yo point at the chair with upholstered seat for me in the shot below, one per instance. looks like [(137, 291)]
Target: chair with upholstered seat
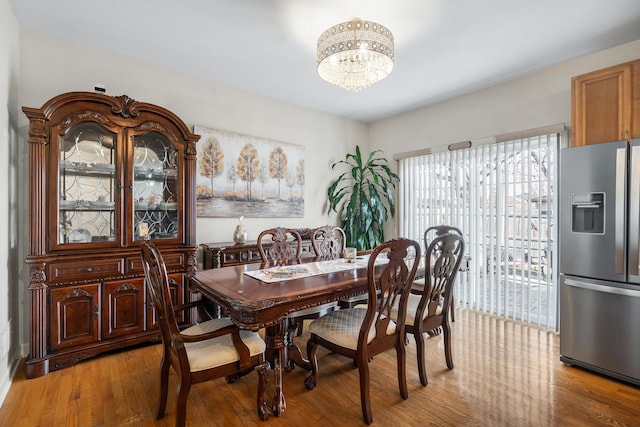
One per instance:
[(428, 311), (360, 333), (430, 234), (212, 349), (280, 246), (329, 241)]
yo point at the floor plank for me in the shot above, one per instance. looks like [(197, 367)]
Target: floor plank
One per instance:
[(506, 374)]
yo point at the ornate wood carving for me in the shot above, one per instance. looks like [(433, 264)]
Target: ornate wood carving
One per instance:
[(126, 287), (38, 131), (155, 126), (80, 116), (60, 272), (76, 293), (221, 254), (38, 277), (191, 151), (192, 264), (72, 360), (126, 107)]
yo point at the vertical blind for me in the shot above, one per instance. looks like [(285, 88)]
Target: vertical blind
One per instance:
[(502, 196)]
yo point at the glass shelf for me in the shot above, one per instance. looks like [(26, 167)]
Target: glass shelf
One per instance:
[(155, 187), (87, 176), (87, 180)]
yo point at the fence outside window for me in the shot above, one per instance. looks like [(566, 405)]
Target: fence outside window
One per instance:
[(503, 197)]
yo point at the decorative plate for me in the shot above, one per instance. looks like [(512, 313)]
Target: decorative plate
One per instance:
[(167, 206), (101, 205), (79, 235), (68, 204), (103, 167)]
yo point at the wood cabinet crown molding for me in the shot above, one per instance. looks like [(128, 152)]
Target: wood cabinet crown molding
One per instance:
[(107, 173)]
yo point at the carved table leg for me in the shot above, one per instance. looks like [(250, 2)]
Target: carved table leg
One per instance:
[(264, 408), (293, 354), (281, 353), (275, 340)]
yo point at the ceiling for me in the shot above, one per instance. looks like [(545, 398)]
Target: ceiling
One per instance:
[(443, 48)]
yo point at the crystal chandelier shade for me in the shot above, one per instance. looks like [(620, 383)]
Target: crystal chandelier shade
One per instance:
[(355, 54)]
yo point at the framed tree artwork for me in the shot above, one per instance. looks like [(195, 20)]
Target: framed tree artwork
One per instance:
[(250, 176)]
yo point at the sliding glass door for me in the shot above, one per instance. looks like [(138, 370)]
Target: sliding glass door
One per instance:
[(502, 196)]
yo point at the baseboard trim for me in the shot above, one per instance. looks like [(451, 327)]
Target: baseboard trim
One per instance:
[(5, 383)]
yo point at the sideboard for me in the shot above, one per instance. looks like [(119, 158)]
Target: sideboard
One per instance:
[(221, 254)]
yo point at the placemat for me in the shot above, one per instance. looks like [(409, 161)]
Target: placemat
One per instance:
[(297, 271)]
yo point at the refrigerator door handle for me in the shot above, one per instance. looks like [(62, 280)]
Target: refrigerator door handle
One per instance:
[(621, 163), (634, 211), (602, 288), (579, 206)]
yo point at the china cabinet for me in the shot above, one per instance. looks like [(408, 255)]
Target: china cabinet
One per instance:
[(106, 173), (605, 105)]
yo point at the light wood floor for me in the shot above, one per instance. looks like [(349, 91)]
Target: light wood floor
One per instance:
[(506, 374)]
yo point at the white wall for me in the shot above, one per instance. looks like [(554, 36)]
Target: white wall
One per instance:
[(541, 99), (50, 67), (9, 252)]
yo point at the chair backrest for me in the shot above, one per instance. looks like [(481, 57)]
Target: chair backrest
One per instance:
[(389, 284), (328, 240), (285, 245), (445, 252), (155, 274), (438, 230)]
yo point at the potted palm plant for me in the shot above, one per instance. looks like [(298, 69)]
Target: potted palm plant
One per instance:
[(363, 198)]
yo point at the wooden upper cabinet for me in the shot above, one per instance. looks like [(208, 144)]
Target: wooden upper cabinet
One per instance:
[(605, 105)]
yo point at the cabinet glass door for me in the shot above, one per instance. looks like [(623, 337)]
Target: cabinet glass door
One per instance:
[(87, 185), (155, 187)]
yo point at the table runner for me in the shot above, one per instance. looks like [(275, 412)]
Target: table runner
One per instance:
[(297, 271)]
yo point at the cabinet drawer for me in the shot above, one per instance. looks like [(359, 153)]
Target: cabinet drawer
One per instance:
[(173, 261), (244, 256), (86, 270)]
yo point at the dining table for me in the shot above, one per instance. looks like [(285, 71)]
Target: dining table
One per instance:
[(257, 296)]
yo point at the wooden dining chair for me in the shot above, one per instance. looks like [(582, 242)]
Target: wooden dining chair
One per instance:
[(428, 311), (363, 332), (205, 351), (329, 241), (430, 234), (279, 246)]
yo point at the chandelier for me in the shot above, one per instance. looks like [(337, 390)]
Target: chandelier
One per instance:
[(355, 54)]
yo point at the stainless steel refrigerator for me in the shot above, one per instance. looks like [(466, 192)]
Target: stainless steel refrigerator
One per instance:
[(600, 258)]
